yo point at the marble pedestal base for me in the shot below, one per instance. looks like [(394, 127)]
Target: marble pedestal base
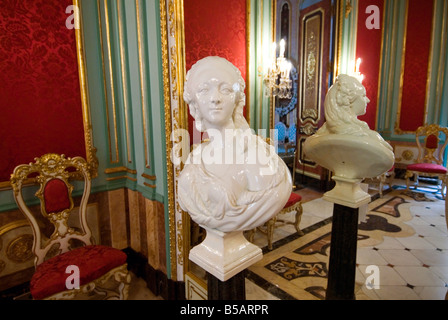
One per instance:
[(347, 192), (225, 254)]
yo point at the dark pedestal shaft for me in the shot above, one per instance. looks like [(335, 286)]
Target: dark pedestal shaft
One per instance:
[(342, 266), (232, 289)]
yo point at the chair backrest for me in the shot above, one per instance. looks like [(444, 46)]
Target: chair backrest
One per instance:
[(52, 173), (280, 131), (432, 149)]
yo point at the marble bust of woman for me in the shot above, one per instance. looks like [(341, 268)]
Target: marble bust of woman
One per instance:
[(345, 101), (344, 144), (233, 181)]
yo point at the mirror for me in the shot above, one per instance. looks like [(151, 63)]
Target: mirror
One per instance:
[(284, 114), (248, 26), (192, 30)]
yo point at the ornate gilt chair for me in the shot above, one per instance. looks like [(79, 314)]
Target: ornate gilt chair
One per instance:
[(102, 270), (430, 155), (294, 204)]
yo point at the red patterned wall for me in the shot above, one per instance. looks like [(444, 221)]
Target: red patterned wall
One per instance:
[(39, 85), (368, 48), (215, 28), (418, 42)]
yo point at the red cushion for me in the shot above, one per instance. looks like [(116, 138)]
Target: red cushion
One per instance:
[(56, 196), (293, 199), (427, 167), (93, 261), (432, 141)]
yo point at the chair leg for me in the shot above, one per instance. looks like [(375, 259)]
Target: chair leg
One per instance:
[(407, 176), (250, 235), (270, 231), (299, 212)]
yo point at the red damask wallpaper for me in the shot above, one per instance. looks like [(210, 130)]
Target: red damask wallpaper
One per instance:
[(418, 43), (215, 28), (40, 100), (368, 48)]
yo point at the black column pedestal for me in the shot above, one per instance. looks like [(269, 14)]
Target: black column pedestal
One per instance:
[(232, 289), (342, 265)]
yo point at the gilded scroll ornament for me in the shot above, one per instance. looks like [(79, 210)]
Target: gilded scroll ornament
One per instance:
[(20, 249), (407, 155)]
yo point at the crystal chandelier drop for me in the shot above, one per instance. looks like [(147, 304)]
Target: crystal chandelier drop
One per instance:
[(277, 79)]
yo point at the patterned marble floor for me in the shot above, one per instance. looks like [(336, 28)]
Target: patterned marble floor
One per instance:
[(403, 237)]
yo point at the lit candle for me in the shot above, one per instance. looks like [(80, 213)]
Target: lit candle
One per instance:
[(282, 48), (358, 63)]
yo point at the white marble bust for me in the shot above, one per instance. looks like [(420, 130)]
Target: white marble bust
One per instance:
[(234, 181), (345, 101), (344, 144)]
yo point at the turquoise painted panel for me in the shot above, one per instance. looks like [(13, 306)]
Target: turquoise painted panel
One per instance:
[(261, 41)]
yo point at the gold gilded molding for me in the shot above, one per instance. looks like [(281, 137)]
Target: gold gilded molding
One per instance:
[(13, 225), (176, 117), (248, 59), (111, 76), (142, 84), (120, 169), (348, 9), (124, 81), (338, 36), (149, 177), (121, 177), (397, 128), (91, 157), (168, 126), (383, 27)]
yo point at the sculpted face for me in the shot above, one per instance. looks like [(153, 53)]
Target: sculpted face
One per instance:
[(213, 87), (359, 105)]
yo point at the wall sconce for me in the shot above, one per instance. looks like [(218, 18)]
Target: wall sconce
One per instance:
[(277, 80)]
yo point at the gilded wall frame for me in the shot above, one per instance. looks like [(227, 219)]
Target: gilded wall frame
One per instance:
[(91, 157), (176, 118), (312, 26)]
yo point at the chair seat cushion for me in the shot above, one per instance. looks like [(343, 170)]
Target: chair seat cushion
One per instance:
[(293, 199), (93, 261), (427, 167)]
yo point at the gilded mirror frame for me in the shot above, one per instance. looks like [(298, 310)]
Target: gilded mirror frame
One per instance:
[(176, 118)]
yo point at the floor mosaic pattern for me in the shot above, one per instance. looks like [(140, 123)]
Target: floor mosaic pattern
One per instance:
[(404, 235)]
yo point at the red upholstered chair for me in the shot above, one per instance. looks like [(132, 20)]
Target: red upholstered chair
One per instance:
[(430, 155), (294, 204), (68, 265)]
